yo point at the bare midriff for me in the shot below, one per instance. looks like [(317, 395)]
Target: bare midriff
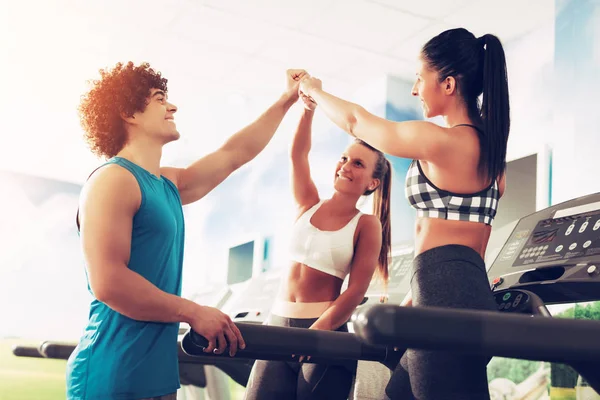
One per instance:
[(435, 232), (308, 285)]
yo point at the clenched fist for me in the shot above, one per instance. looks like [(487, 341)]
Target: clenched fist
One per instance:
[(308, 84), (293, 78)]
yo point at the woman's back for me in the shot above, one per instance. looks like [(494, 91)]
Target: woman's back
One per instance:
[(459, 177)]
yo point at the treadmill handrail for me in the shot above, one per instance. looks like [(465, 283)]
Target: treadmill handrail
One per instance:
[(264, 342), (480, 332), (27, 351), (62, 351)]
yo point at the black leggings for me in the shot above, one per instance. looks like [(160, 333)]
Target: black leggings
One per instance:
[(280, 380), (451, 276)]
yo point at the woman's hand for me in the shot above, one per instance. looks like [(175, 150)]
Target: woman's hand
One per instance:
[(308, 84)]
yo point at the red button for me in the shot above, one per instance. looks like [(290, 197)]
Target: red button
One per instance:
[(497, 281)]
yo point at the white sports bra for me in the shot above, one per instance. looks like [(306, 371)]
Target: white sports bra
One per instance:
[(327, 251)]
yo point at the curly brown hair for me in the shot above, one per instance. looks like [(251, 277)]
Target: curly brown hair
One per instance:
[(122, 90)]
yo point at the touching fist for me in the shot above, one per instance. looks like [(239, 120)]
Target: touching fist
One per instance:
[(293, 77), (308, 84)]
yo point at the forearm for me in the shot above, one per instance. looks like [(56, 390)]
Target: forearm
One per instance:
[(135, 297), (302, 141), (341, 112), (340, 311), (254, 138)]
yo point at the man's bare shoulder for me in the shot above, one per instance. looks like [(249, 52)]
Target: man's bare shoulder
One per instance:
[(111, 182)]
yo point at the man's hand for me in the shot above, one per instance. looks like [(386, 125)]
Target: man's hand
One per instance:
[(293, 77), (218, 329)]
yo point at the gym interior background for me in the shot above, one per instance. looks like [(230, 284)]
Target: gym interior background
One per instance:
[(225, 62)]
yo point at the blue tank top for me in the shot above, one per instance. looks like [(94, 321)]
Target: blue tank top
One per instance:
[(118, 357)]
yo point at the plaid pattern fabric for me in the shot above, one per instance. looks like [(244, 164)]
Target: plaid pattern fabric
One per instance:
[(432, 202)]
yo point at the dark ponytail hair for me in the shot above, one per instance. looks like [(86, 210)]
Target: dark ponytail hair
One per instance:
[(479, 66), (381, 209)]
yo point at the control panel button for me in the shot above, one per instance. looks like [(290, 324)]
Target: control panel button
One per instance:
[(583, 226), (587, 244), (592, 269), (506, 296), (517, 300), (572, 246), (559, 248), (597, 225), (570, 229)]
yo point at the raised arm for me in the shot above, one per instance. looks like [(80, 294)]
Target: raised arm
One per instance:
[(364, 262), (109, 201), (420, 140), (195, 181), (303, 187)]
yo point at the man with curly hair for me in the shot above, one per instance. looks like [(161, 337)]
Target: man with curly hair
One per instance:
[(132, 233)]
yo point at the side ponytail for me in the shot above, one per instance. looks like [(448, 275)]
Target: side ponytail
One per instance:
[(381, 208), (495, 109)]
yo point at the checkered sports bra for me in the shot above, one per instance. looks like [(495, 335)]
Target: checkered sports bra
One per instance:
[(433, 202)]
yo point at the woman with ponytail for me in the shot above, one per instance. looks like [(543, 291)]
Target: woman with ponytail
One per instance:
[(454, 183), (331, 239)]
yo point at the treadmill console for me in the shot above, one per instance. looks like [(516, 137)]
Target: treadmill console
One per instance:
[(559, 245), (253, 301), (399, 279)]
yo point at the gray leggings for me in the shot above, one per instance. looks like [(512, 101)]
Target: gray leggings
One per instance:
[(280, 380), (451, 276)]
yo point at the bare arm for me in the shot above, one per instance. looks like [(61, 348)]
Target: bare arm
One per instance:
[(109, 202), (303, 187), (195, 181), (420, 140), (365, 261)]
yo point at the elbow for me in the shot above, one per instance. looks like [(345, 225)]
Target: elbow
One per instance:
[(238, 163), (113, 297), (357, 295), (298, 155), (352, 119), (107, 282), (103, 292), (237, 159)]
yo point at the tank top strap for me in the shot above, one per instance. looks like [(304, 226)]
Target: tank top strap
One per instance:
[(142, 176), (354, 221), (311, 211)]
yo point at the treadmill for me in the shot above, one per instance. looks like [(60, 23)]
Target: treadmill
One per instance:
[(522, 287), (551, 257)]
